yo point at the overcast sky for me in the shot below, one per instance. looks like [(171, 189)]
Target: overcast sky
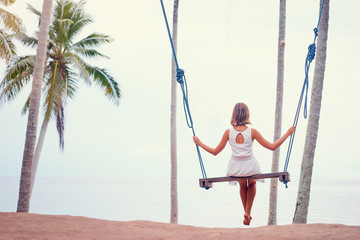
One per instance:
[(228, 50)]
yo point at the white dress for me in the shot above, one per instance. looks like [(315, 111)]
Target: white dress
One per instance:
[(242, 161)]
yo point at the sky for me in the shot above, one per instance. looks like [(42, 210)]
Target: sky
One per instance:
[(228, 50)]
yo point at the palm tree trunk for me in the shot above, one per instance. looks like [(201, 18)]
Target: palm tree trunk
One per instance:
[(278, 113), (38, 149), (303, 196), (28, 156), (173, 146)]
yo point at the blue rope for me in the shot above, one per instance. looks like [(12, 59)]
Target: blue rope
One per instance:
[(181, 79), (309, 58)]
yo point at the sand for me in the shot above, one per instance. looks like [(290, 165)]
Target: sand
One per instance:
[(52, 227)]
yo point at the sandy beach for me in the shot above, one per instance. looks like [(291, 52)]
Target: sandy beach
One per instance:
[(37, 226)]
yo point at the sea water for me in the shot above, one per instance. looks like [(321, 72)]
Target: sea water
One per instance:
[(149, 199)]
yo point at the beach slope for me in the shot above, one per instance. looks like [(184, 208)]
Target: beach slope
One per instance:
[(37, 226)]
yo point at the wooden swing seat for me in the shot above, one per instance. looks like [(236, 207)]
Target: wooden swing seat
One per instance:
[(207, 182)]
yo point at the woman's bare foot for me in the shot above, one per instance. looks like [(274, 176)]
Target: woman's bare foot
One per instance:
[(247, 219)]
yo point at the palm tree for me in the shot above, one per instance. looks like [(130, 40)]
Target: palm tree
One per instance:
[(65, 67), (9, 22), (303, 197), (34, 104), (278, 112), (173, 147)]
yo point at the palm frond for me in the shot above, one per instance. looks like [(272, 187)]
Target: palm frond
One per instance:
[(35, 11), (79, 23), (106, 82), (60, 126), (98, 75), (16, 77), (11, 21), (79, 64), (71, 83), (78, 8), (26, 40), (61, 30), (12, 90), (7, 47), (91, 53), (80, 18), (61, 22), (93, 40), (67, 7), (19, 67), (65, 21)]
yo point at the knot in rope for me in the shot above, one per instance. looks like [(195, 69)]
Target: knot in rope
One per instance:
[(316, 32), (180, 75), (311, 52)]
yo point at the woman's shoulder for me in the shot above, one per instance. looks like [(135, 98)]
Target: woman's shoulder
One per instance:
[(255, 133), (254, 130), (226, 134)]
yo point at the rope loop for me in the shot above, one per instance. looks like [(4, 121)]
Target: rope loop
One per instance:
[(311, 52), (316, 31), (180, 75)]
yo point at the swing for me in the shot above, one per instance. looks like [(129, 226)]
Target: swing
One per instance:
[(181, 79), (207, 182)]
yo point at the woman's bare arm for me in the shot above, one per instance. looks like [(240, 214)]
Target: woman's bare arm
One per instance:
[(220, 146), (272, 146)]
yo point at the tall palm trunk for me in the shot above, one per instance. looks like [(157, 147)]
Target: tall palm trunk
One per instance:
[(173, 146), (28, 156), (303, 196), (38, 149), (278, 112)]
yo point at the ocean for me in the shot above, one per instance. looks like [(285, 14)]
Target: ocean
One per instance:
[(149, 199)]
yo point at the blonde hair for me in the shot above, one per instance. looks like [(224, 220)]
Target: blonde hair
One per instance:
[(240, 115)]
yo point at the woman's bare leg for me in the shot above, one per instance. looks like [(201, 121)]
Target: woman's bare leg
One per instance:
[(243, 193), (250, 196)]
